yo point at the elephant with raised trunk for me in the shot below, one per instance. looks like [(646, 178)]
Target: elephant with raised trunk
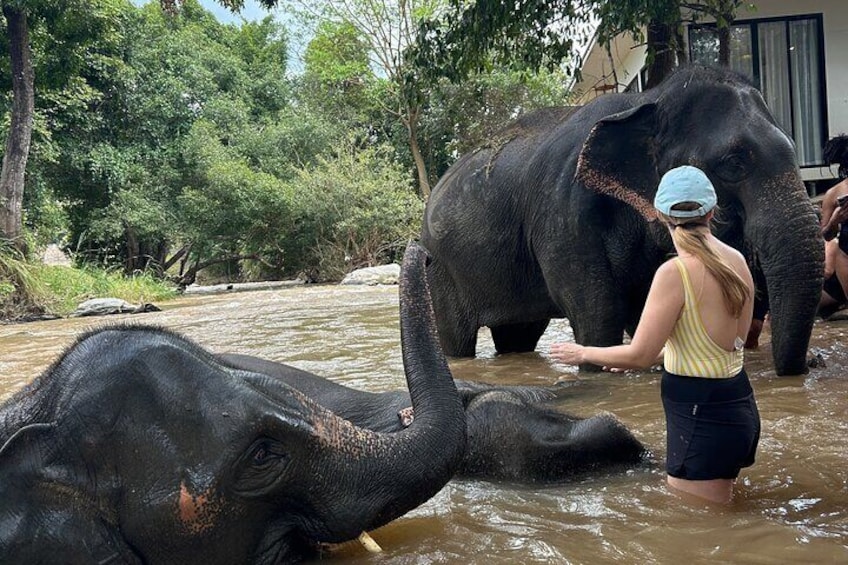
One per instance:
[(554, 217), (138, 446)]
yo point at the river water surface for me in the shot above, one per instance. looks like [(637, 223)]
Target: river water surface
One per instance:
[(791, 507)]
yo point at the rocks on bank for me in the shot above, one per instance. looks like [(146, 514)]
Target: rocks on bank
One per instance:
[(382, 274)]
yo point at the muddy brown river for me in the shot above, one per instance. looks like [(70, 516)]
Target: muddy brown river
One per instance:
[(791, 507)]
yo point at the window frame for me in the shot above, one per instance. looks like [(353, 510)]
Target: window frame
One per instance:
[(752, 25)]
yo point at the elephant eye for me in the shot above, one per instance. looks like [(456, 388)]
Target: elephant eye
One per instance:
[(263, 452), (260, 453), (733, 167)]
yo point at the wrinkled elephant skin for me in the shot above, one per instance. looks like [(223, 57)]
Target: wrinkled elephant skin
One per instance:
[(554, 217), (138, 446), (513, 434)]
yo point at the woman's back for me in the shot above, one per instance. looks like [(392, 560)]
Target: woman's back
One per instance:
[(720, 325)]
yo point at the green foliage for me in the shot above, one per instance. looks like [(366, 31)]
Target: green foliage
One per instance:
[(464, 116), (633, 16), (474, 37), (354, 210), (337, 78), (337, 53), (171, 136), (238, 212), (263, 47)]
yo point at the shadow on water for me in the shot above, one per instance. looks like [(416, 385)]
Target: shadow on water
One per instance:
[(792, 505)]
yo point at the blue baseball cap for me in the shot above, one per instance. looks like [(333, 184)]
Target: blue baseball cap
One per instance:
[(685, 184)]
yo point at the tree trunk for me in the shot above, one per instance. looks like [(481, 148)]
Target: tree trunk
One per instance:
[(725, 19), (16, 153), (415, 149), (724, 46), (661, 52), (679, 48), (130, 265)]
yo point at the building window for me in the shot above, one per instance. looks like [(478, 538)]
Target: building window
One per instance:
[(639, 81), (784, 57)]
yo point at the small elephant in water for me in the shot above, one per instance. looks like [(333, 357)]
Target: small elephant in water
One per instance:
[(554, 217), (512, 435), (138, 446)]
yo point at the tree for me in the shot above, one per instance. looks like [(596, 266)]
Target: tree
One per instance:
[(471, 37), (17, 14), (69, 23), (337, 80), (466, 36), (658, 22), (464, 116), (20, 130), (388, 27)]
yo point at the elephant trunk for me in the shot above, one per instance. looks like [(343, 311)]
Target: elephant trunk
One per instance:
[(432, 448), (387, 475), (785, 234)]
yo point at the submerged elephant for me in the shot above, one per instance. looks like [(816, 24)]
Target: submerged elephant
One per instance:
[(512, 434), (555, 218), (138, 446)]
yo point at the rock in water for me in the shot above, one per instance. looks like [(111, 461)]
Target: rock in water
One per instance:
[(383, 274), (105, 306)]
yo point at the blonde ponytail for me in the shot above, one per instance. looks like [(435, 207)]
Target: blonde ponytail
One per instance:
[(733, 289)]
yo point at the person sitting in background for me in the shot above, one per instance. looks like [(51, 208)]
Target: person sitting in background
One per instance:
[(834, 229)]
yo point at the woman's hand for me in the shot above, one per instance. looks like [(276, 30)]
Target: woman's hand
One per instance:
[(570, 353)]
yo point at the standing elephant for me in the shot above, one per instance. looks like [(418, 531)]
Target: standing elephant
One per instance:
[(137, 446), (555, 219), (512, 434)]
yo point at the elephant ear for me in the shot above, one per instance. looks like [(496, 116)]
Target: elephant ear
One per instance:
[(618, 158), (71, 526)]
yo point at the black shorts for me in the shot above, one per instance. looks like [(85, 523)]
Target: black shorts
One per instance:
[(712, 426), (833, 287), (843, 237)]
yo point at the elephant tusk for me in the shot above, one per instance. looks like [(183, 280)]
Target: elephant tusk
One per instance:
[(369, 543)]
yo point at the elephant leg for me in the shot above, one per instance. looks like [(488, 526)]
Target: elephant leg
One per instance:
[(518, 338), (455, 320), (599, 321)]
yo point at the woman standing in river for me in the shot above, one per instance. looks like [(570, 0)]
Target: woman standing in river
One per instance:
[(699, 307)]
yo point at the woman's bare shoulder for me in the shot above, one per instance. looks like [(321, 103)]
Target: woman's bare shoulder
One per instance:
[(668, 274)]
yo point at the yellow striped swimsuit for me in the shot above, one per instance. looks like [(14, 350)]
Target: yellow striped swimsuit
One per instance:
[(690, 351)]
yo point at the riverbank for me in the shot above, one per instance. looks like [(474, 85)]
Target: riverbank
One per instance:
[(38, 291), (34, 291)]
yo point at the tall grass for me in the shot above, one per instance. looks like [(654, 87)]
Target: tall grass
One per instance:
[(19, 289), (32, 289), (63, 288)]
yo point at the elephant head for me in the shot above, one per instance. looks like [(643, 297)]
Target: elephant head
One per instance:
[(137, 446), (717, 121)]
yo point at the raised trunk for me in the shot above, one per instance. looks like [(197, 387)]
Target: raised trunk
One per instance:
[(792, 260), (390, 474), (20, 130), (434, 446)]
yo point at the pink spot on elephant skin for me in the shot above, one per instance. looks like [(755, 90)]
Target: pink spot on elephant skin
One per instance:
[(197, 512)]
